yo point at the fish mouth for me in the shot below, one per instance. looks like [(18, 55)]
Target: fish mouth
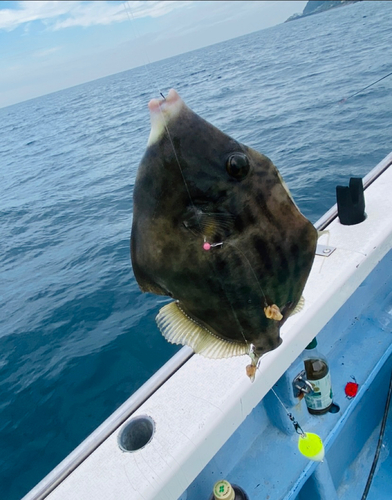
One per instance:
[(161, 112), (155, 105)]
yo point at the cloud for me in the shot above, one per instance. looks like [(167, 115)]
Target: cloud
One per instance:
[(60, 15), (90, 14), (43, 58), (32, 11)]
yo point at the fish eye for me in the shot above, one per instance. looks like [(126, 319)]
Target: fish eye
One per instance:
[(237, 166)]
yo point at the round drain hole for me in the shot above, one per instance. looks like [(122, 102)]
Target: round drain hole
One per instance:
[(136, 434), (334, 408)]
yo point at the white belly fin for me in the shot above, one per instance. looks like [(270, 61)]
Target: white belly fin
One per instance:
[(179, 328)]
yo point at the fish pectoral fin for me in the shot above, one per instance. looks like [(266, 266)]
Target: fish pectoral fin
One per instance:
[(209, 224), (178, 328), (213, 223), (299, 306)]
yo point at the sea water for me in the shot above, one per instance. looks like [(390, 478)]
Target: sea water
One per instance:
[(77, 337)]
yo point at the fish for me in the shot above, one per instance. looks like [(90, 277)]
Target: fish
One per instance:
[(216, 229)]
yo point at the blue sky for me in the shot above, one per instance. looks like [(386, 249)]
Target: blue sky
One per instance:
[(47, 45)]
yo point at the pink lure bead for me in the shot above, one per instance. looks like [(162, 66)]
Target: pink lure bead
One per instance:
[(206, 246)]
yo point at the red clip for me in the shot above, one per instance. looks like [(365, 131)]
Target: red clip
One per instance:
[(351, 389)]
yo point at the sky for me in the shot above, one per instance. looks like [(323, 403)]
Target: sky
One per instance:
[(47, 46)]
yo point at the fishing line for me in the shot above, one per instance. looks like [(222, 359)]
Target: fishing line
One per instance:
[(310, 445), (380, 440), (212, 267), (131, 18), (130, 15), (200, 228), (251, 268), (297, 427), (129, 12), (359, 91), (178, 163), (219, 244)]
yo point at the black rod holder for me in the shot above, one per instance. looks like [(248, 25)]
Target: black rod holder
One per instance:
[(351, 202)]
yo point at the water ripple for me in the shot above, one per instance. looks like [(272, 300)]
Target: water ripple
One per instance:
[(76, 336)]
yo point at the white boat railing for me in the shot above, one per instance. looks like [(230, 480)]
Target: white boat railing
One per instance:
[(91, 443), (109, 426), (369, 178)]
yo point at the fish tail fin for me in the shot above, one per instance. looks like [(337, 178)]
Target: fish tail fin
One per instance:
[(178, 328)]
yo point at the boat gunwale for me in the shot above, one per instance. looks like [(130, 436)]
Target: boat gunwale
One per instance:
[(119, 416)]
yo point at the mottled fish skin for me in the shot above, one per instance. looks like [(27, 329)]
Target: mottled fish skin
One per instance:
[(267, 248)]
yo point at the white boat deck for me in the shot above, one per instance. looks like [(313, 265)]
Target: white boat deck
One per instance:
[(205, 401)]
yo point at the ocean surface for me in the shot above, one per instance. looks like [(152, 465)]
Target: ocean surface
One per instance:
[(77, 337)]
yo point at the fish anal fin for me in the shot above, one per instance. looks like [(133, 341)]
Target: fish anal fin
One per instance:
[(179, 328)]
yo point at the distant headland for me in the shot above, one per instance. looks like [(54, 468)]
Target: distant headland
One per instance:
[(315, 6)]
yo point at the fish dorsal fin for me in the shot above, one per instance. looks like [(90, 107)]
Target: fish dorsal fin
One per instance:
[(285, 187), (299, 306), (178, 328)]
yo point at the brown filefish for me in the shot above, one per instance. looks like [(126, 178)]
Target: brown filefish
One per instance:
[(215, 227)]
